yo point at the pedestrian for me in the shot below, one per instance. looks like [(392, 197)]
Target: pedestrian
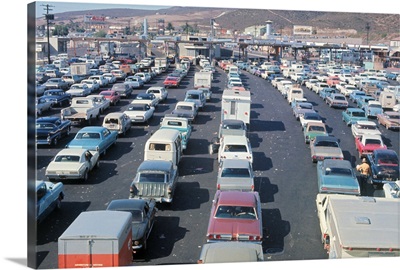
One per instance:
[(365, 171)]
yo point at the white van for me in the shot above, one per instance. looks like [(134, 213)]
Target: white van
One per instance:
[(387, 100), (164, 144), (117, 121), (196, 96), (293, 93)]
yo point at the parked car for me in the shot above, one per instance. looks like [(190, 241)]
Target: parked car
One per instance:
[(178, 123), (235, 147), (100, 101), (355, 95), (362, 100), (159, 91), (367, 143), (235, 216), (337, 176), (79, 90), (325, 147), (185, 109), (235, 174), (230, 252), (155, 179), (49, 130), (151, 99), (110, 77), (48, 198), (196, 96), (139, 111), (92, 84), (112, 96), (134, 82), (390, 120), (57, 96), (94, 138), (100, 79), (171, 82), (337, 101), (117, 121), (313, 129), (72, 164), (384, 165), (43, 105), (360, 128), (56, 83), (207, 92), (309, 116), (143, 217), (352, 115), (372, 108), (122, 89)]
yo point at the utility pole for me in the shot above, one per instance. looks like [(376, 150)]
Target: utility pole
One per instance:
[(368, 28), (48, 17)]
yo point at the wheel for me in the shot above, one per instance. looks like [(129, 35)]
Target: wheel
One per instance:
[(86, 175), (55, 141), (58, 203)]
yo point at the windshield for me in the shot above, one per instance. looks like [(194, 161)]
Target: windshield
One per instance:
[(244, 212), (326, 144)]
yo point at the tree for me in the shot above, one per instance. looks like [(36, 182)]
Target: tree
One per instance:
[(186, 28), (60, 30), (170, 27), (100, 34)]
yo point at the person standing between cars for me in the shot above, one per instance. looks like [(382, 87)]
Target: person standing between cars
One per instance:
[(365, 172)]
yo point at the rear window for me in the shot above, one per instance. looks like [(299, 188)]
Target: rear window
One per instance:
[(160, 147)]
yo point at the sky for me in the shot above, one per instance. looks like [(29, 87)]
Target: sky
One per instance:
[(14, 130)]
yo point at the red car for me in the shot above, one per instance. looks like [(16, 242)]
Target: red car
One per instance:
[(112, 96), (235, 216), (171, 82)]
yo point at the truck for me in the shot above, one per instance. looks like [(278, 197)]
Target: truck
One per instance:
[(162, 63), (236, 105), (82, 110), (202, 80), (97, 239), (358, 226), (81, 69)]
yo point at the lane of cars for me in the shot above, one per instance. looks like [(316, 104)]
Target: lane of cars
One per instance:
[(191, 150)]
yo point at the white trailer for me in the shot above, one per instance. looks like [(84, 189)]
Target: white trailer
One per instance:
[(202, 80), (359, 227), (236, 105)]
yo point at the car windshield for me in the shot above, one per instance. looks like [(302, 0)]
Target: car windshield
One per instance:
[(192, 96), (372, 141), (360, 114), (235, 172), (338, 171), (44, 125), (242, 212), (66, 158), (152, 178), (378, 106), (312, 117), (394, 116), (87, 135), (185, 108), (339, 98), (235, 148), (232, 126), (138, 108)]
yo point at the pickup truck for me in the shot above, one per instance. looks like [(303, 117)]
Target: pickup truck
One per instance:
[(49, 197), (82, 110), (367, 143)]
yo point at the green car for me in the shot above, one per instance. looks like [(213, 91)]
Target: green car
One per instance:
[(352, 115), (313, 129)]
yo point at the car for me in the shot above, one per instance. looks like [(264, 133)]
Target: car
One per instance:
[(230, 252), (367, 143), (119, 74), (337, 176), (355, 95), (235, 216), (49, 130), (110, 77), (57, 96), (101, 101), (325, 92), (360, 128), (392, 75), (372, 108), (207, 92), (185, 109), (171, 82), (362, 100), (159, 91), (72, 164), (56, 83), (43, 105), (71, 79), (155, 179), (79, 90), (117, 121), (392, 189), (143, 217), (235, 147), (309, 116), (93, 85), (122, 89), (146, 77), (139, 111), (384, 165), (388, 119), (151, 99), (48, 198), (325, 147), (181, 124), (313, 129), (103, 81), (337, 101), (301, 108), (195, 96), (112, 96), (42, 77), (235, 174), (134, 82), (94, 138), (352, 115)]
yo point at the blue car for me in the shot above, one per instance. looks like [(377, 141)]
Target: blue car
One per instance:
[(362, 100), (356, 94), (57, 96), (392, 75), (352, 115), (373, 108), (337, 176), (325, 92), (95, 138), (49, 130)]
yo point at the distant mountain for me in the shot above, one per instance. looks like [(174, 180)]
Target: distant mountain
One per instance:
[(381, 26)]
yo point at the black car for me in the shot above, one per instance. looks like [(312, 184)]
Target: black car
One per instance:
[(57, 96), (143, 213), (49, 130), (384, 166), (123, 89)]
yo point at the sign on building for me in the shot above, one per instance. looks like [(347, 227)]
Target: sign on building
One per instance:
[(302, 30)]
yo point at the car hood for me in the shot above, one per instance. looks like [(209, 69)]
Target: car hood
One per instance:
[(138, 231), (235, 226)]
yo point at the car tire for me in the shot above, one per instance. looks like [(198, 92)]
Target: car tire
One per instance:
[(55, 141), (58, 203), (85, 175)]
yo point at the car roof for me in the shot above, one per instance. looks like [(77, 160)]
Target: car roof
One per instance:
[(158, 165), (235, 163), (126, 204), (49, 119), (91, 128), (342, 163), (369, 123), (326, 138)]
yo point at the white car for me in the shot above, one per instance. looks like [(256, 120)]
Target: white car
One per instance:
[(72, 164), (159, 91), (79, 90), (43, 105), (92, 84), (139, 111), (110, 77), (100, 79), (364, 127), (235, 147), (101, 101)]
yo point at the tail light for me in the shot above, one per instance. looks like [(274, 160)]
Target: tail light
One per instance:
[(218, 186)]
